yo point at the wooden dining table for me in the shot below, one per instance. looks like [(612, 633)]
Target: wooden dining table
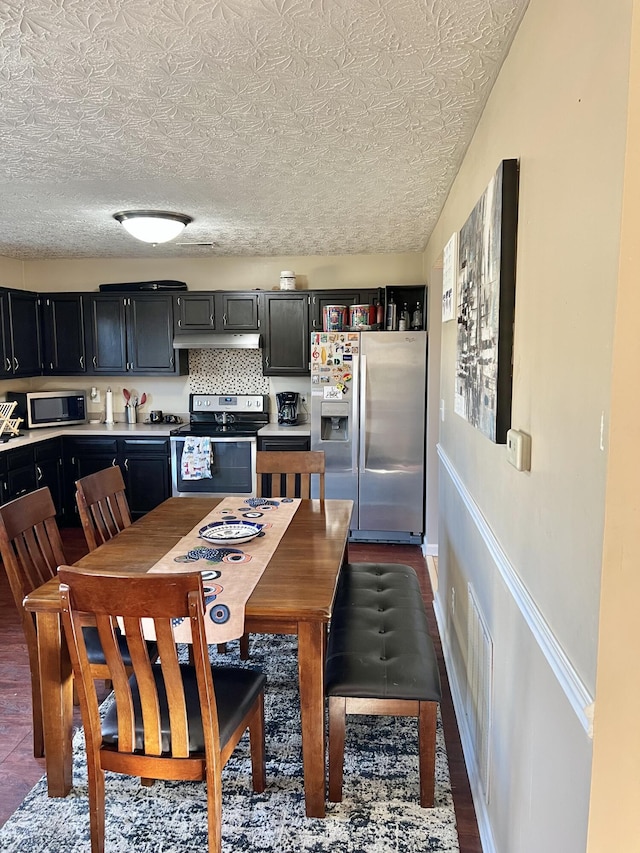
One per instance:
[(294, 595)]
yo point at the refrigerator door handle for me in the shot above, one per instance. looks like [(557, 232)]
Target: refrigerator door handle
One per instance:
[(363, 412), (355, 414)]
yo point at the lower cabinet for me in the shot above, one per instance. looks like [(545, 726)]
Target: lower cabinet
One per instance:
[(144, 463), (287, 442), (28, 468), (49, 465)]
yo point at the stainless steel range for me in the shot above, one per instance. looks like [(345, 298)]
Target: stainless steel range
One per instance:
[(215, 453)]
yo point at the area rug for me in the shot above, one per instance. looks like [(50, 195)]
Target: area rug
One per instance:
[(379, 813)]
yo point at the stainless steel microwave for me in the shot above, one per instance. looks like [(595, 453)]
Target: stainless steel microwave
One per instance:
[(48, 408)]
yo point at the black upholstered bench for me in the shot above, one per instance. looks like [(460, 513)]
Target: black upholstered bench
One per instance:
[(381, 661)]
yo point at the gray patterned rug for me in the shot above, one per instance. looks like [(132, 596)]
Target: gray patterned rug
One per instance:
[(379, 812)]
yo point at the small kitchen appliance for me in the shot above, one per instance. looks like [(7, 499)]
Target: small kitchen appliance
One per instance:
[(49, 408), (287, 407)]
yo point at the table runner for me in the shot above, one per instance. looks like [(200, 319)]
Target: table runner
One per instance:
[(229, 572)]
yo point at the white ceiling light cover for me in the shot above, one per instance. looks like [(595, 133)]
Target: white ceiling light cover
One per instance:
[(153, 226)]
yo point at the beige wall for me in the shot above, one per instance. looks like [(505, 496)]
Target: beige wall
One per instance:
[(615, 816), (230, 273), (530, 544), (11, 273)]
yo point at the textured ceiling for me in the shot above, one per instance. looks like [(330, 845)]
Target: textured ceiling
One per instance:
[(283, 127)]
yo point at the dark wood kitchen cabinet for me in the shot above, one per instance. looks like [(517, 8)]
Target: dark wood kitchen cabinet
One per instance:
[(49, 466), (63, 334), (20, 338), (144, 462), (25, 469), (21, 472), (284, 324), (132, 334), (216, 311)]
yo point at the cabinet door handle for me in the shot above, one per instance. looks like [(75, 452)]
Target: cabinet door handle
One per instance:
[(224, 319), (266, 361), (211, 319), (38, 473), (172, 361), (82, 362), (113, 463), (16, 363), (126, 464), (179, 303), (8, 363), (179, 321), (95, 361)]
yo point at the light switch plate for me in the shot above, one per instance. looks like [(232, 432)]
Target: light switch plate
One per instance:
[(519, 449)]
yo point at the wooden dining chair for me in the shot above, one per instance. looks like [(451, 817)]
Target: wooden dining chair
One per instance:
[(103, 506), (170, 720), (290, 472), (31, 550)]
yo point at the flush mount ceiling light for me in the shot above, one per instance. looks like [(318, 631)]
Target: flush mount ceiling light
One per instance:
[(153, 226)]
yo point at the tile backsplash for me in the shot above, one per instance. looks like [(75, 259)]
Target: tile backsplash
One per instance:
[(226, 371)]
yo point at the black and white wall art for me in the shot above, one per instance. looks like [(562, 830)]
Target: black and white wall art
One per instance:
[(485, 306)]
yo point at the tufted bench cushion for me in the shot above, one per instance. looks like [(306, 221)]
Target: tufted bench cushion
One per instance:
[(381, 660)]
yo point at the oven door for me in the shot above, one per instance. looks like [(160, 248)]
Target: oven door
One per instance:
[(233, 469)]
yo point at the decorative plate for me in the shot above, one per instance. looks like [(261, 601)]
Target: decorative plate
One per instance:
[(235, 532)]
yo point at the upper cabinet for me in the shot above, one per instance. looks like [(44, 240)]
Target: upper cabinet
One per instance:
[(132, 334), (284, 324), (63, 334), (20, 337), (194, 312), (216, 311)]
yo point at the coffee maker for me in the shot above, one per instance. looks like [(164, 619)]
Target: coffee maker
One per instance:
[(287, 407)]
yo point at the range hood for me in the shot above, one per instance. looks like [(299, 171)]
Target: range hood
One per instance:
[(213, 340)]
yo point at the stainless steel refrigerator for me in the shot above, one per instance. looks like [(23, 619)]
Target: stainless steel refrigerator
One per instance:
[(368, 399)]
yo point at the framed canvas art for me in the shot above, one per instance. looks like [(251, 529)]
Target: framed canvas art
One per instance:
[(485, 306)]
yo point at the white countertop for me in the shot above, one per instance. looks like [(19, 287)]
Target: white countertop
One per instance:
[(123, 430)]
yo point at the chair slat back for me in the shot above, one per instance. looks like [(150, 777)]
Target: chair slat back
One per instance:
[(30, 546), (285, 466), (127, 601), (102, 505)]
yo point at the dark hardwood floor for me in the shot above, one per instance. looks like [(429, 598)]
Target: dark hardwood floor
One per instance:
[(19, 770)]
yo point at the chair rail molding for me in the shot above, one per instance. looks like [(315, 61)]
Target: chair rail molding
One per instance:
[(572, 685)]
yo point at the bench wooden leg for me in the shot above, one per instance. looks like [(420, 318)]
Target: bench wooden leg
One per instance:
[(427, 717), (337, 721)]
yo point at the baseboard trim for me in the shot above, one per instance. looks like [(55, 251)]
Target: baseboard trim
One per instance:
[(479, 803), (572, 685)]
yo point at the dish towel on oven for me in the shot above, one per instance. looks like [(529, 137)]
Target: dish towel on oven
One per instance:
[(196, 458)]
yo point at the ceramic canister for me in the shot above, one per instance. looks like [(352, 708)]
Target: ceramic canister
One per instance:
[(287, 280), (334, 318), (359, 315)]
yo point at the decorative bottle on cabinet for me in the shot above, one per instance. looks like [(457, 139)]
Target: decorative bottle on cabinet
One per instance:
[(403, 322), (416, 319), (380, 314), (392, 315)]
